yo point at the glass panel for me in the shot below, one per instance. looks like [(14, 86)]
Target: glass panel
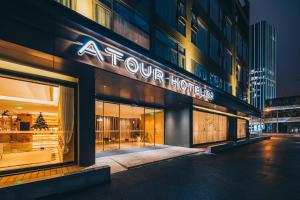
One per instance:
[(103, 15), (166, 9), (149, 127), (131, 126), (99, 125), (214, 49), (126, 126), (130, 31), (36, 124), (68, 3), (111, 136), (159, 127), (208, 127)]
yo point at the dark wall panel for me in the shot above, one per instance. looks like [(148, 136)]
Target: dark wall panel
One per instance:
[(178, 121), (86, 140), (232, 129)]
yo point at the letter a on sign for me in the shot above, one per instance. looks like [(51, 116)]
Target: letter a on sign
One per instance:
[(92, 49)]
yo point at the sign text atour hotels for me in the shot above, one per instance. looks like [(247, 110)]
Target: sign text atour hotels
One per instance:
[(149, 73)]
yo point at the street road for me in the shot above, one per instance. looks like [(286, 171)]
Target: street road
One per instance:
[(265, 170)]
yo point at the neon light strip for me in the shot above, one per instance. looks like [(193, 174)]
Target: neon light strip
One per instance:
[(220, 112)]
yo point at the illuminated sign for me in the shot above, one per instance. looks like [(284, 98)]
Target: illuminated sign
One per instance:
[(145, 71)]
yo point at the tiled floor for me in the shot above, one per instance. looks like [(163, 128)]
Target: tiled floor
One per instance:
[(120, 161), (10, 180), (115, 146)]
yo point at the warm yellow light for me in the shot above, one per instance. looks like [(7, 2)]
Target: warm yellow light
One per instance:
[(11, 66), (85, 7), (220, 112)]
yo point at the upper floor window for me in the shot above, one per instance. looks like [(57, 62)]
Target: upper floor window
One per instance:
[(167, 49), (241, 48), (68, 3), (245, 51), (245, 77), (103, 14), (129, 15), (199, 70), (167, 10), (130, 25), (202, 3), (239, 93), (238, 72), (181, 16), (227, 87), (181, 9), (173, 12), (214, 51), (227, 61), (216, 13), (239, 45), (227, 31), (199, 34)]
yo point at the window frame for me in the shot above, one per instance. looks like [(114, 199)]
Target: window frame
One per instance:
[(47, 81)]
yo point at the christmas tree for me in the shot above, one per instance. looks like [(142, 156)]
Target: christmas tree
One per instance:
[(40, 123)]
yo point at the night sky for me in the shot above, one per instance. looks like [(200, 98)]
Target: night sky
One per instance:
[(284, 15)]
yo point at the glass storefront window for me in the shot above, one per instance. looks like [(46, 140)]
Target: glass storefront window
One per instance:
[(208, 127), (36, 123), (241, 128), (99, 125), (121, 126), (159, 126), (111, 136), (149, 126), (103, 15)]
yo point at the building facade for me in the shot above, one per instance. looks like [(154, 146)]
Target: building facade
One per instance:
[(282, 115), (263, 63), (85, 76)]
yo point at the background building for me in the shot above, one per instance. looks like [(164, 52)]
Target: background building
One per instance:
[(282, 115), (263, 64)]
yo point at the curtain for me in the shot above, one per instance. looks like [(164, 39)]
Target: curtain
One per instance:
[(208, 127), (66, 113), (241, 128), (103, 16)]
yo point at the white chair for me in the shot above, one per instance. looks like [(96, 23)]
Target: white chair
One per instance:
[(1, 150)]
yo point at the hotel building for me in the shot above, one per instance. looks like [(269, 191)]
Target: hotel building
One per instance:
[(85, 76)]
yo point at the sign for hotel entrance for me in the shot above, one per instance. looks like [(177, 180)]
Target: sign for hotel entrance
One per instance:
[(143, 70)]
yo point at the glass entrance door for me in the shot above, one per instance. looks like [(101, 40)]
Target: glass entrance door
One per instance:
[(132, 126), (159, 126), (122, 126), (111, 136)]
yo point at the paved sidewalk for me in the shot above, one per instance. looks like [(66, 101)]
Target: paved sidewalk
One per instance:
[(124, 161)]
